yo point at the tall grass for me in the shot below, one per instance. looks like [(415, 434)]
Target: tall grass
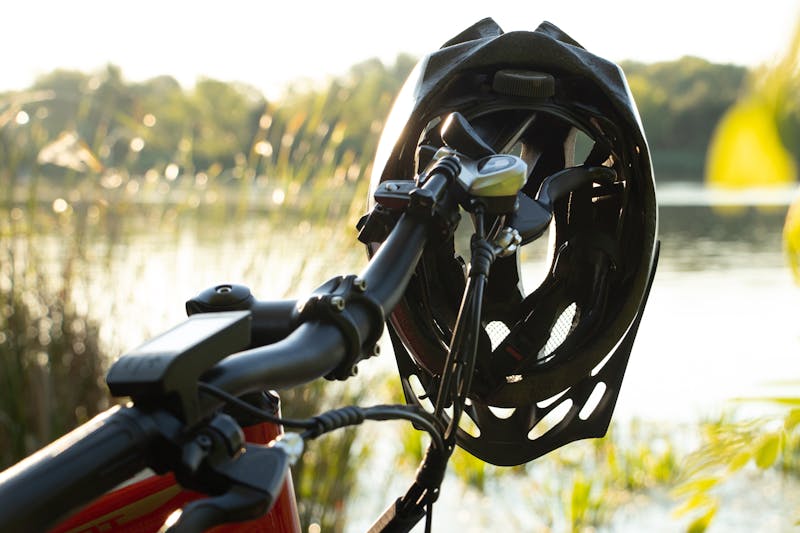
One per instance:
[(65, 189)]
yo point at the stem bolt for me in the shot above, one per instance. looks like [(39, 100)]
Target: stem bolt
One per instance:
[(338, 303)]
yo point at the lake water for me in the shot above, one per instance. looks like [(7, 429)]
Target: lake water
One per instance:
[(721, 322)]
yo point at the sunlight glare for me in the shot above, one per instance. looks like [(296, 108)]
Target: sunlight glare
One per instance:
[(173, 518), (137, 144), (263, 148), (171, 172), (60, 205)]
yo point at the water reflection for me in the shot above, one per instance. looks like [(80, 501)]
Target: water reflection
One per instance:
[(719, 323), (697, 238)]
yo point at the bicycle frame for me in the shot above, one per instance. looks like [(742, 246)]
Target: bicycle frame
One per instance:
[(145, 505)]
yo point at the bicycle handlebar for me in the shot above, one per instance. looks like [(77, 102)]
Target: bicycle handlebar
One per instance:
[(296, 359), (75, 469), (115, 445)]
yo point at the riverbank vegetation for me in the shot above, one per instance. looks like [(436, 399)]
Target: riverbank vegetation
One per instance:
[(81, 152), (228, 133)]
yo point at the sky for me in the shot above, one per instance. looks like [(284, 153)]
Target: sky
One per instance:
[(268, 44)]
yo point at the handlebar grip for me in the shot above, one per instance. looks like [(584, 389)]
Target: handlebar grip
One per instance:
[(75, 469)]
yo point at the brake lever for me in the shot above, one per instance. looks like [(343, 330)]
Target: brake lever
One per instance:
[(255, 478), (533, 216)]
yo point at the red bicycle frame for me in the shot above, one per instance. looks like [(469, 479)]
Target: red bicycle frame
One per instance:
[(144, 506)]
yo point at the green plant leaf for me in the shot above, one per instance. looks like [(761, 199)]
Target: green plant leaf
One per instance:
[(697, 501), (791, 238), (739, 460), (792, 419), (746, 149), (780, 400), (767, 451), (695, 485), (700, 524)]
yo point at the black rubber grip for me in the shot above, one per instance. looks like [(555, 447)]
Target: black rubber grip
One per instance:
[(82, 465)]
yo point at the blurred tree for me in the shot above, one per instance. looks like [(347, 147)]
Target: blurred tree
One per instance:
[(223, 119), (68, 88), (680, 103), (208, 126), (161, 108)]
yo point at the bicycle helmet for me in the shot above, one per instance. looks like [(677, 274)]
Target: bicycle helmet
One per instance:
[(550, 358)]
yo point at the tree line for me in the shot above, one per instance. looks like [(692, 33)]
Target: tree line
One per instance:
[(231, 131)]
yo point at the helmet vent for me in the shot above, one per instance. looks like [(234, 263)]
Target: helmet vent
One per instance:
[(497, 332), (468, 425), (502, 412), (561, 329), (419, 392), (553, 418), (593, 400)]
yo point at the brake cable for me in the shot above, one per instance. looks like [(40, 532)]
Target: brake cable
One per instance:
[(455, 383), (460, 362), (336, 418)]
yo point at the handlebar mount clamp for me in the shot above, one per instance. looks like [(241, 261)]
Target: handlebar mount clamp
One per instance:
[(331, 303)]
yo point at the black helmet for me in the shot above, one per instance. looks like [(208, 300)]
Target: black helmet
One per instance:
[(550, 360)]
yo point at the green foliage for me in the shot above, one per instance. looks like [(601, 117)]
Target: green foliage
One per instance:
[(680, 103), (319, 132), (312, 138), (749, 144), (51, 363), (326, 475), (727, 448), (586, 503), (51, 370), (581, 485)]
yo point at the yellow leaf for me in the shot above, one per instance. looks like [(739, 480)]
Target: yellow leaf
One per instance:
[(791, 238), (697, 501), (792, 419), (695, 485), (701, 523), (739, 460), (746, 149), (768, 448)]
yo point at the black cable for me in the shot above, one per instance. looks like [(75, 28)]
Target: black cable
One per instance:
[(413, 414), (464, 350), (477, 305), (429, 518), (460, 363), (338, 418), (456, 377), (253, 410), (444, 395), (461, 338)]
